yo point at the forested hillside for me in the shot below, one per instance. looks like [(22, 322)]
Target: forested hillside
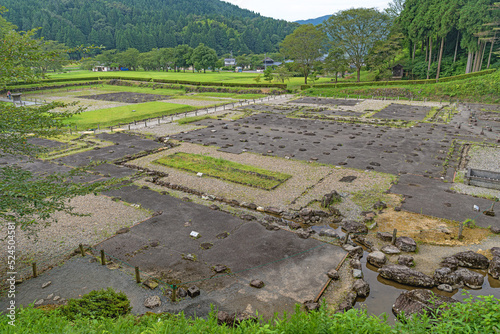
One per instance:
[(148, 24)]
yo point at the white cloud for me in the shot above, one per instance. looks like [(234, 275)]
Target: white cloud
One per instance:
[(293, 10)]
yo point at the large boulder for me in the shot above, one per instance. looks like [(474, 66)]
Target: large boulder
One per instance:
[(419, 301), (450, 262), (390, 249), (361, 288), (377, 259), (384, 236), (405, 275), (473, 260), (348, 303), (330, 198), (352, 226), (406, 260), (406, 244), (494, 269), (354, 251), (495, 251), (470, 278), (445, 275)]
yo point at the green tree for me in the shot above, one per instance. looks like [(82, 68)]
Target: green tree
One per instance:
[(356, 31), (129, 58), (183, 54), (304, 46), (282, 74), (26, 200), (204, 57), (268, 74), (336, 62)]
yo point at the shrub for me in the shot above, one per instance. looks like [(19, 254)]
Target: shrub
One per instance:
[(97, 304)]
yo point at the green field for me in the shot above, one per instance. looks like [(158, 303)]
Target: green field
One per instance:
[(231, 77), (125, 114), (224, 170)]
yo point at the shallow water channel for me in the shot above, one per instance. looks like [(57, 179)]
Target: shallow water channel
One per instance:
[(384, 292)]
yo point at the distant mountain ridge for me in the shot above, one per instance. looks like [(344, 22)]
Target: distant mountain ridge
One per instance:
[(315, 21), (148, 24)]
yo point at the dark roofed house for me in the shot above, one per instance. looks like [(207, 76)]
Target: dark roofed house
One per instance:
[(397, 71)]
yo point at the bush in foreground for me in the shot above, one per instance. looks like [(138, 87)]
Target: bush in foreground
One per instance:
[(479, 315)]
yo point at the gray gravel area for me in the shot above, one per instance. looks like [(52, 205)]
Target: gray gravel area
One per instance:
[(55, 241), (485, 158)]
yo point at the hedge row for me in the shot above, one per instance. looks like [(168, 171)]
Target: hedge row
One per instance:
[(30, 89), (181, 82), (402, 82)]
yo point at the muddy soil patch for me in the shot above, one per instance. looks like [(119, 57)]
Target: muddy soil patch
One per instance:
[(403, 112), (420, 150), (126, 97)]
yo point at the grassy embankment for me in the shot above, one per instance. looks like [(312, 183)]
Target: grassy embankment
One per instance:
[(481, 89), (224, 170), (125, 114)]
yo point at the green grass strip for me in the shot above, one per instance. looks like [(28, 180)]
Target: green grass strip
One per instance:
[(224, 170), (125, 114)]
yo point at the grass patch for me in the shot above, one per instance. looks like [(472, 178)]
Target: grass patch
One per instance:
[(187, 120), (232, 95), (125, 114), (367, 198), (224, 170)]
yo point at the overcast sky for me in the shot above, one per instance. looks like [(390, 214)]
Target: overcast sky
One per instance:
[(293, 10)]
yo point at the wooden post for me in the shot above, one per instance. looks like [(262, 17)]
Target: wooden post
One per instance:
[(137, 275), (460, 231), (394, 233), (174, 292), (103, 258), (129, 126), (34, 269), (145, 124), (81, 250), (346, 238)]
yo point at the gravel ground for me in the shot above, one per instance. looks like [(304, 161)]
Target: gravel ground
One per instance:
[(196, 103), (486, 158), (60, 238), (308, 182)]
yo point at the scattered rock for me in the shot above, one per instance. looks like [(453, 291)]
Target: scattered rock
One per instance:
[(222, 235), (495, 229), (406, 244), (406, 260), (56, 298), (357, 273), (494, 268), (355, 264), (181, 293), (293, 225), (46, 284), (248, 217), (361, 288), (390, 249), (333, 274), (444, 275), (303, 234), (354, 227), (445, 287), (348, 303), (377, 259), (384, 236), (39, 302), (219, 268), (354, 251), (152, 302), (379, 205), (471, 259), (193, 291), (330, 199), (450, 262), (123, 230), (214, 207), (257, 283), (329, 232), (495, 251), (405, 275), (311, 305), (152, 284), (273, 210), (470, 278), (419, 301)]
